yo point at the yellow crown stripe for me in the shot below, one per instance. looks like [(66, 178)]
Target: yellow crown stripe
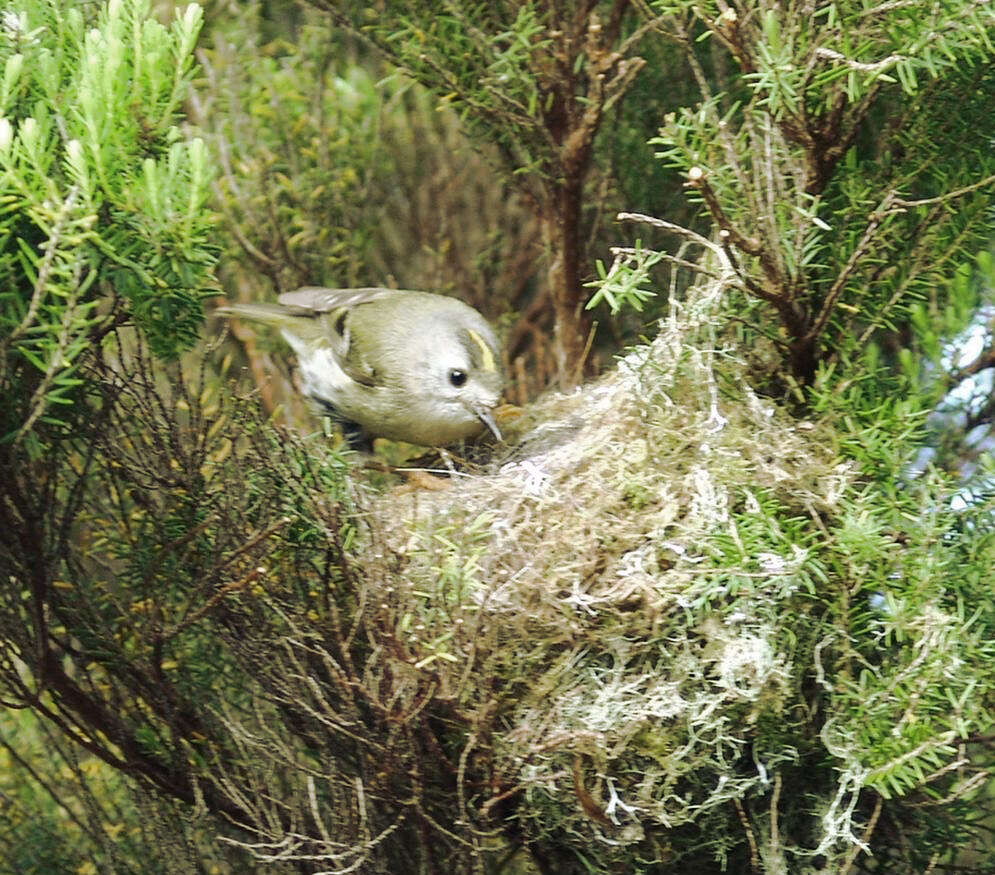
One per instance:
[(486, 356)]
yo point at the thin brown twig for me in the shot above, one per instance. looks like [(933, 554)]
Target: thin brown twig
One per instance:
[(851, 855), (750, 838), (947, 196), (775, 836)]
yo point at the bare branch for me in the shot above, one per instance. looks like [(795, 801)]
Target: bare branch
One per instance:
[(863, 67)]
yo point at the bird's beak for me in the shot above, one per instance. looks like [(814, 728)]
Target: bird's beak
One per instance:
[(485, 415)]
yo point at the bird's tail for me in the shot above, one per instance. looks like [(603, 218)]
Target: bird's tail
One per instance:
[(273, 314)]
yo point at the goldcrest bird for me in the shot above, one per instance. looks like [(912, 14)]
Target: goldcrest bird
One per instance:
[(409, 366)]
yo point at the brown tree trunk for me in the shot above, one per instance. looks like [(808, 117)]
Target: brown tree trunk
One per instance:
[(561, 219)]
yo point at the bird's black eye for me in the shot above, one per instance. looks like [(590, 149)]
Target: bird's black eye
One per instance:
[(457, 377)]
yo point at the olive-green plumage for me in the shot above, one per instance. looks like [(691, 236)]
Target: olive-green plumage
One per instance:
[(404, 365)]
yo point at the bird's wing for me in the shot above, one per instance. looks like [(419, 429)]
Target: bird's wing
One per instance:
[(354, 364), (321, 300), (337, 306)]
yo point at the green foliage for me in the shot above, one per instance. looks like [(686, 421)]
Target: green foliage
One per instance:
[(298, 133), (849, 167), (621, 285), (494, 60), (104, 213), (913, 689), (677, 629), (66, 811), (182, 521)]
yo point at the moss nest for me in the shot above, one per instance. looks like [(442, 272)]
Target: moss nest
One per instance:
[(620, 595)]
